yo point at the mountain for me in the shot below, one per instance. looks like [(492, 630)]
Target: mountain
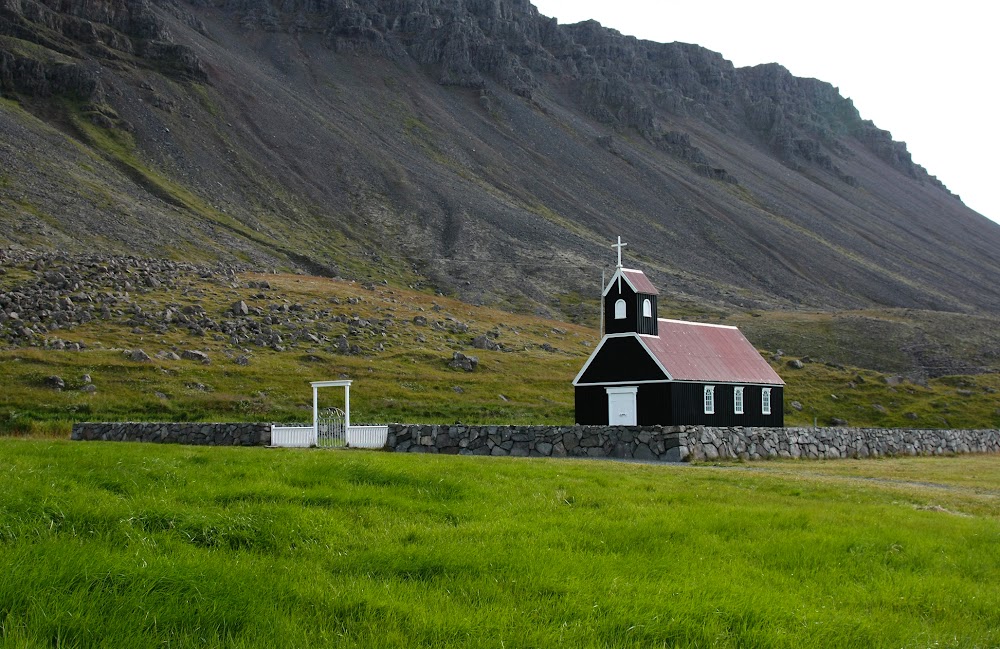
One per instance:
[(474, 147)]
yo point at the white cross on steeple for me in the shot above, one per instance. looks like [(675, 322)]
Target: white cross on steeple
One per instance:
[(619, 245)]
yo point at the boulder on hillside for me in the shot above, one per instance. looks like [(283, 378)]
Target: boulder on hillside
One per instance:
[(483, 342), (139, 356), (195, 355), (462, 362)]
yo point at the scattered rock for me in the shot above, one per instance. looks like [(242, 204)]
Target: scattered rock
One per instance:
[(796, 406), (90, 388), (139, 356), (240, 308), (195, 355), (55, 382), (458, 389), (463, 362), (795, 364), (837, 421), (879, 408), (482, 342), (912, 415), (893, 380), (420, 321)]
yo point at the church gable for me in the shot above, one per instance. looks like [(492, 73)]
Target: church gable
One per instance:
[(620, 359)]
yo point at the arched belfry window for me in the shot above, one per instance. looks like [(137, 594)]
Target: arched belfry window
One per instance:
[(620, 310), (647, 308)]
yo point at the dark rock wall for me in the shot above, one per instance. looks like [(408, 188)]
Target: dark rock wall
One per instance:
[(687, 443), (644, 443), (199, 434)]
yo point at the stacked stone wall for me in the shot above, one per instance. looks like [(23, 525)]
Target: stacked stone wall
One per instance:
[(646, 443), (688, 443), (202, 434), (625, 442), (833, 443)]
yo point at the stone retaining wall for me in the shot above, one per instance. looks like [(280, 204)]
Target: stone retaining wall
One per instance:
[(650, 443), (184, 433), (627, 442), (831, 443), (687, 443)]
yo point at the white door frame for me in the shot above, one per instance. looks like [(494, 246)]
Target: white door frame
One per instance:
[(631, 391)]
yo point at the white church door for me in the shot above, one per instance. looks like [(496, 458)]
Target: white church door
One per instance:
[(621, 406)]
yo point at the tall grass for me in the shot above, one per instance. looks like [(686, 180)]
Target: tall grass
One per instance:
[(138, 545)]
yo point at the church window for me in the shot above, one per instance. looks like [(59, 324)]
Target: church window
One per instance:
[(738, 400), (620, 310), (709, 399), (765, 401), (647, 308)]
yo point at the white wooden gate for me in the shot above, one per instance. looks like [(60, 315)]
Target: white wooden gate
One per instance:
[(332, 427)]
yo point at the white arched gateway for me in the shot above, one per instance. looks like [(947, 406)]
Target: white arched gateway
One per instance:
[(334, 429)]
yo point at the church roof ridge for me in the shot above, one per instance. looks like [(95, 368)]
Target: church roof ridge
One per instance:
[(699, 324)]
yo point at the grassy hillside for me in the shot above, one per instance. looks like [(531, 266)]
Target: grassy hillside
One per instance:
[(137, 545), (396, 343)]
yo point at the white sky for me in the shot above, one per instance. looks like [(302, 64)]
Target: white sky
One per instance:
[(925, 71)]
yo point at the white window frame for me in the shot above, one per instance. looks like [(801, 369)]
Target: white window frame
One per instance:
[(647, 308), (765, 401), (621, 310), (738, 400), (709, 400)]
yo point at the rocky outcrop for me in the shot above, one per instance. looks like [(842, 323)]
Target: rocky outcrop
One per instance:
[(77, 39), (619, 80)]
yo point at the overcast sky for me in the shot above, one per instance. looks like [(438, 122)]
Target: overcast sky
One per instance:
[(924, 71)]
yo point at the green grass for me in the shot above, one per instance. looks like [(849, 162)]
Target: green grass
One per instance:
[(141, 545)]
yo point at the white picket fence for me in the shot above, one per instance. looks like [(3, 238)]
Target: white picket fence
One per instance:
[(305, 436), (367, 436), (293, 436)]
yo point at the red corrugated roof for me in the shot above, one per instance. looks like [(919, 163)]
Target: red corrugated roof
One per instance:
[(692, 351), (636, 279)]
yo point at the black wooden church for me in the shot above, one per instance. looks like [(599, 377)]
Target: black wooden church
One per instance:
[(647, 370)]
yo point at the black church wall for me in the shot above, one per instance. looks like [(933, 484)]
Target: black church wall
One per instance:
[(622, 360), (591, 405), (633, 321), (653, 404), (630, 322), (688, 406)]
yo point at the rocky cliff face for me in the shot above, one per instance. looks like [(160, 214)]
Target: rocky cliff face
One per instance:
[(475, 146)]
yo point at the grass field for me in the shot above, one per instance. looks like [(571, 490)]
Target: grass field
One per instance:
[(126, 545)]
